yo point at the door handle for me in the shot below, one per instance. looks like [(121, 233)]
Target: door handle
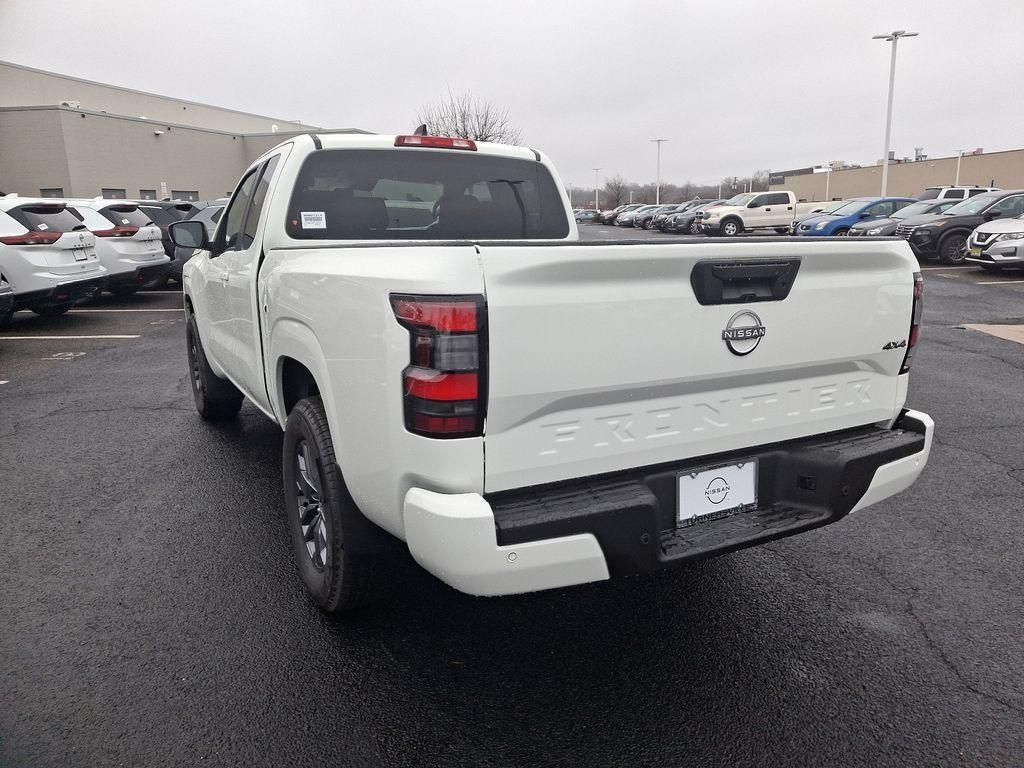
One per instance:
[(223, 277), (767, 209)]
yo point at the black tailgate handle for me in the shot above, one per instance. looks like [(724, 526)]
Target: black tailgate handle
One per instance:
[(743, 281)]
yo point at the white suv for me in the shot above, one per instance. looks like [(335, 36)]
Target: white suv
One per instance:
[(47, 256), (953, 193), (127, 242)]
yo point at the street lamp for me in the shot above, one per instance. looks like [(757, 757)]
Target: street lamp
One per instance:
[(595, 188), (657, 188), (892, 37), (959, 154)]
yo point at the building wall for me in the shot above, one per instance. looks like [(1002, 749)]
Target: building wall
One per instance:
[(24, 86), (32, 153), (1000, 169), (83, 152)]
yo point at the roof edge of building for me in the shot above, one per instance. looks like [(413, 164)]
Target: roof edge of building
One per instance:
[(27, 68), (146, 121)]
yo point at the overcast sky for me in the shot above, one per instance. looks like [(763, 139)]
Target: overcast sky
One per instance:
[(733, 86)]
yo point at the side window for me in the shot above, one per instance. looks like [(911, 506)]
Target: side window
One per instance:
[(973, 192), (779, 198), (258, 199), (759, 201), (235, 215), (954, 194), (881, 209), (1010, 206)]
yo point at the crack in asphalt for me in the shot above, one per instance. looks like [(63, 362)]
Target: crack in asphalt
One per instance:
[(932, 644)]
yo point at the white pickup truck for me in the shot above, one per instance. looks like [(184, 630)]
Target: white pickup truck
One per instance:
[(752, 211), (455, 370)]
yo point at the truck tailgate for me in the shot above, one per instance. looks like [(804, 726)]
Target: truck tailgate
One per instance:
[(602, 358)]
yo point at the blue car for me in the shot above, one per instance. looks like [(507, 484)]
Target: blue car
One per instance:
[(853, 211)]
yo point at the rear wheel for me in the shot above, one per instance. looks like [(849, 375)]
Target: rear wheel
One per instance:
[(730, 228), (782, 230), (341, 556), (6, 317), (952, 248), (216, 398), (57, 311)]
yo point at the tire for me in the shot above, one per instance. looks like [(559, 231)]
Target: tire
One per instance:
[(693, 228), (782, 230), (730, 228), (341, 556), (841, 232), (216, 399), (951, 248), (57, 311), (6, 317)]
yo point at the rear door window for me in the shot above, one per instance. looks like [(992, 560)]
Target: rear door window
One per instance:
[(127, 216), (46, 218), (404, 194)]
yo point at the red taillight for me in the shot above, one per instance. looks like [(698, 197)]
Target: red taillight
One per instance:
[(444, 386), (435, 142), (118, 231), (32, 238), (915, 321)]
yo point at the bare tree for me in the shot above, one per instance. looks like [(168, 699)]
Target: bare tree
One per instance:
[(616, 190), (468, 117)]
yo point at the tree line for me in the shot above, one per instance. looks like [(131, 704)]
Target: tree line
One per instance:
[(618, 190)]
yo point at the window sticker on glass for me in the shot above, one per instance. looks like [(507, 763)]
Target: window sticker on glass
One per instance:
[(44, 226), (314, 220), (125, 221)]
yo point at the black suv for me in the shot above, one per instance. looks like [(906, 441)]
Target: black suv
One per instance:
[(163, 213), (944, 235)]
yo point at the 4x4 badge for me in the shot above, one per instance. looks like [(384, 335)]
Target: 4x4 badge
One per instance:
[(743, 332)]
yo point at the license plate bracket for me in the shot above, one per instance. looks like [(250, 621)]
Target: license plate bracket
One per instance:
[(715, 492)]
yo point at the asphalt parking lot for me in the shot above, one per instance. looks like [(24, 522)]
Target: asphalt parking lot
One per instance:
[(152, 616)]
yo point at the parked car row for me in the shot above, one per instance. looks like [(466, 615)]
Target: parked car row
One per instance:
[(58, 253)]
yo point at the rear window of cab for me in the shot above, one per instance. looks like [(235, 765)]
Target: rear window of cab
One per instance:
[(413, 194)]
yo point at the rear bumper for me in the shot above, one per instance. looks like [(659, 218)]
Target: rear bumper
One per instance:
[(589, 529), (64, 293)]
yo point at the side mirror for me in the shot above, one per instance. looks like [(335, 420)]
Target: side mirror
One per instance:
[(189, 234), (989, 215), (865, 215), (753, 204)]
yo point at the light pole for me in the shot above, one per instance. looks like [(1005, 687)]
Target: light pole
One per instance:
[(595, 188), (959, 154), (570, 195), (657, 187), (828, 180), (892, 37)]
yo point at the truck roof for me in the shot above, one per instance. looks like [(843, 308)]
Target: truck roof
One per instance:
[(387, 141)]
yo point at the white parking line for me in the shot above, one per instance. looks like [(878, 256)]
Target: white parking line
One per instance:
[(80, 311), (944, 269), (67, 338), (5, 381), (997, 282), (147, 293)]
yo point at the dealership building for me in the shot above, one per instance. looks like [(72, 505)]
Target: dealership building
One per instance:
[(62, 136), (907, 177)]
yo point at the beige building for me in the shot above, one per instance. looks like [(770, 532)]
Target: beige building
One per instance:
[(61, 136), (907, 179)]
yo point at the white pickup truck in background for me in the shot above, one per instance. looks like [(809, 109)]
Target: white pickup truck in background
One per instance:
[(754, 210), (455, 370)]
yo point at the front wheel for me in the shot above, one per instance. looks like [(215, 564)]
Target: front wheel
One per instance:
[(952, 248), (694, 228), (216, 399), (332, 542), (841, 232), (730, 228), (57, 311)]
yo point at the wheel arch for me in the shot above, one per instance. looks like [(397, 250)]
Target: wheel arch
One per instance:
[(298, 369)]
